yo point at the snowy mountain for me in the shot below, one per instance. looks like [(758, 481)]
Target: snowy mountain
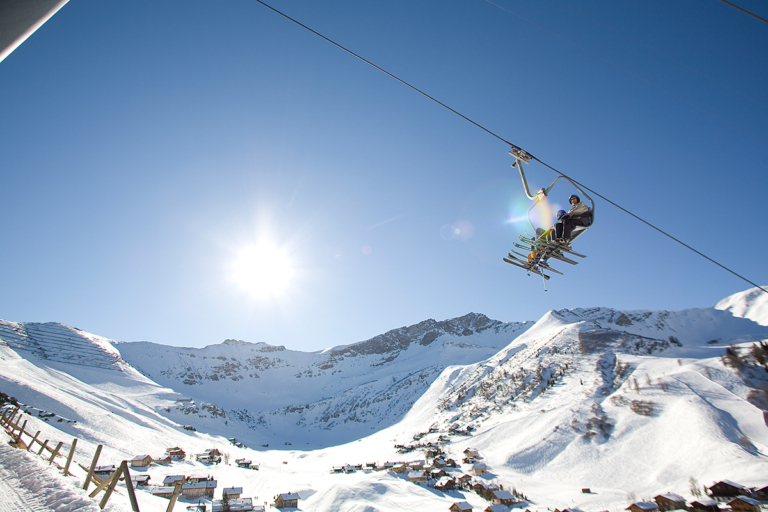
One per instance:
[(629, 404), (339, 394)]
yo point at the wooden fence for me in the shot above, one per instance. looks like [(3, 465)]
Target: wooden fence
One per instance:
[(11, 425)]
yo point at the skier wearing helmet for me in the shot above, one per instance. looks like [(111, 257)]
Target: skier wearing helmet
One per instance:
[(578, 215)]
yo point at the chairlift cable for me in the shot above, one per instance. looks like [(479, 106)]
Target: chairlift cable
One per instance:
[(745, 11), (511, 144)]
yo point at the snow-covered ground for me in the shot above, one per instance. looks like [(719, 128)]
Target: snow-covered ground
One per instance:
[(625, 403)]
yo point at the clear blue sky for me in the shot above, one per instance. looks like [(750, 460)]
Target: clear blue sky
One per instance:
[(144, 145)]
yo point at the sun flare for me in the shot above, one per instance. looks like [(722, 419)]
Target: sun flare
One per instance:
[(263, 270)]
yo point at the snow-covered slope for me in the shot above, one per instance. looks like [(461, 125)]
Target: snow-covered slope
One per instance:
[(629, 404), (752, 304), (339, 394)]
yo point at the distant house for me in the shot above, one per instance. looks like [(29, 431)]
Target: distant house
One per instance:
[(287, 500), (439, 463), (471, 452), (670, 501), (705, 506), (727, 488), (162, 492), (417, 465), (199, 489), (642, 506), (461, 506), (450, 463), (437, 473), (762, 494), (176, 453), (104, 471), (464, 480), (445, 483), (401, 468), (497, 508), (140, 480), (171, 480), (502, 497), (744, 504), (235, 505), (479, 468), (197, 478), (141, 461), (417, 477), (243, 463), (164, 460), (232, 492)]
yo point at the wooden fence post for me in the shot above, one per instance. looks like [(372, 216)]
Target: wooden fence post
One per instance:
[(4, 419), (69, 458), (43, 447), (112, 484), (9, 425), (107, 481), (174, 496), (32, 442), (93, 466), (129, 486), (55, 453), (18, 436)]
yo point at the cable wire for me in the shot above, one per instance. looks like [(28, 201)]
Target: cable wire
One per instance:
[(745, 11), (511, 144)]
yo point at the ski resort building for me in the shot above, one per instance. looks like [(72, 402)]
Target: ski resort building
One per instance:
[(643, 506), (670, 501), (726, 489), (745, 504), (705, 506), (461, 506), (287, 500), (199, 489), (233, 492), (141, 461)]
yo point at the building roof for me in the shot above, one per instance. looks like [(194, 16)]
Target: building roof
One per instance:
[(729, 482), (497, 508), (233, 490), (479, 465), (173, 478), (463, 505), (706, 503), (205, 484), (503, 495), (644, 505), (747, 500), (290, 496), (240, 504), (671, 497), (140, 457)]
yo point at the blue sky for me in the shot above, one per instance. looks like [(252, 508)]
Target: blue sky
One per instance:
[(145, 145)]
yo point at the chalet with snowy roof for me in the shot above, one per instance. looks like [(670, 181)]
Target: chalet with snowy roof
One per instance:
[(450, 463), (140, 480), (705, 506), (171, 480), (417, 465), (445, 483), (502, 497), (371, 465), (417, 477), (232, 492), (498, 507), (198, 478), (479, 468), (235, 505), (141, 461), (727, 488), (164, 460), (199, 489), (244, 463), (162, 492), (104, 471), (176, 453), (437, 473), (401, 468), (670, 501), (439, 463), (744, 504), (464, 480), (287, 500), (762, 494), (461, 506), (643, 506)]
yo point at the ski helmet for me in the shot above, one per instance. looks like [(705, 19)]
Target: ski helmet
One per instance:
[(560, 213)]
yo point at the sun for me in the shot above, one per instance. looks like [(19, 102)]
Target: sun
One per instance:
[(263, 270)]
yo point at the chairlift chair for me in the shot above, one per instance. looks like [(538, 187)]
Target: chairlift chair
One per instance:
[(543, 248)]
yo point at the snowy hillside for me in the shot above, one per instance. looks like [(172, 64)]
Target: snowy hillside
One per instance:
[(628, 404), (752, 304), (339, 394)]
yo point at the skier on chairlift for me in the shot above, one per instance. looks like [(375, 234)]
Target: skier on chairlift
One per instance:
[(578, 215)]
